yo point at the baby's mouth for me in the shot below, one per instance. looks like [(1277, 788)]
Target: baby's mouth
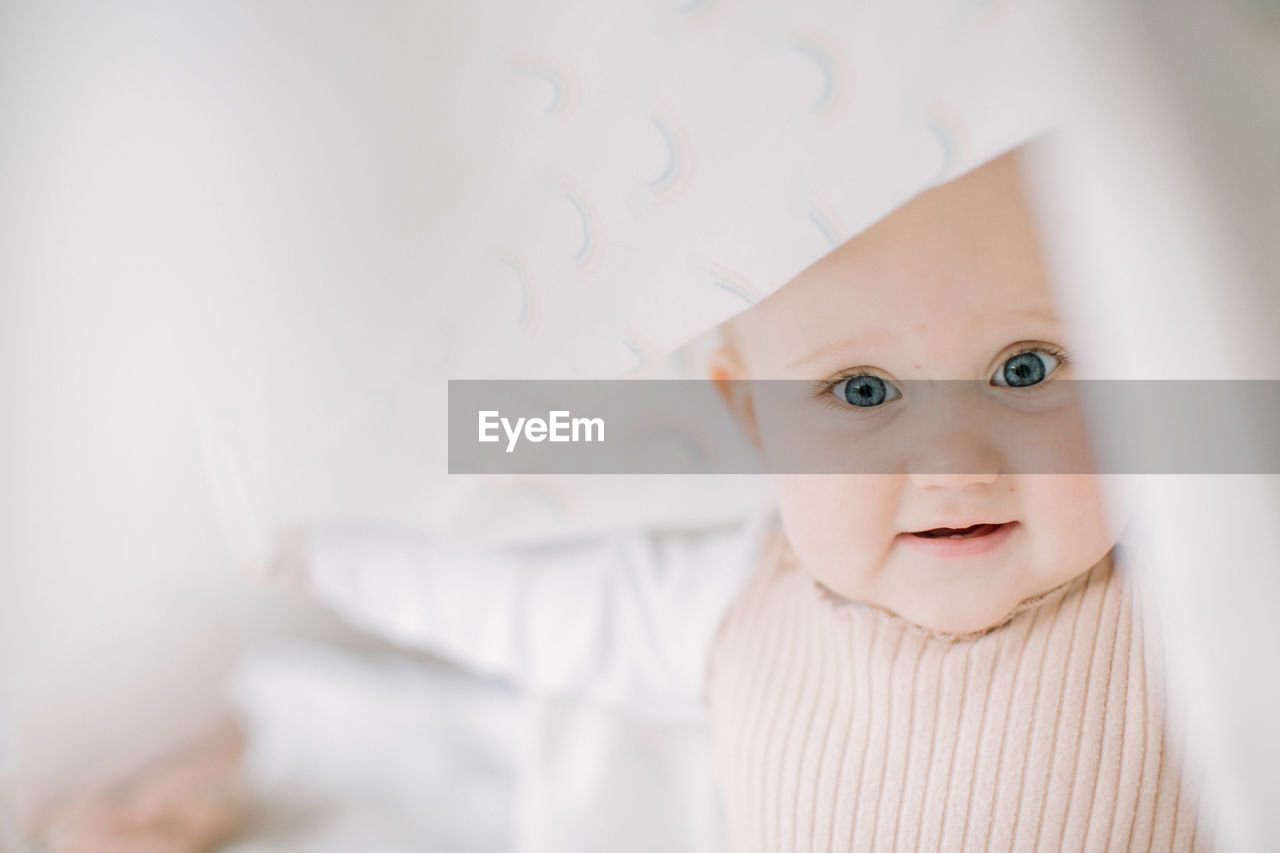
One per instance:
[(973, 531)]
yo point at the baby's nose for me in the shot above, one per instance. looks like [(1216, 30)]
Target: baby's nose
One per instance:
[(953, 458), (951, 444)]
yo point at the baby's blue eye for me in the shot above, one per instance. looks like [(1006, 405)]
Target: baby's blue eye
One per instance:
[(1026, 369), (865, 391)]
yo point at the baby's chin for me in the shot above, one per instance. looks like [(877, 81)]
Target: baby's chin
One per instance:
[(949, 601), (982, 596), (948, 616)]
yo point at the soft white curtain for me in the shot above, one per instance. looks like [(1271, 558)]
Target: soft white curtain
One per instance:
[(1162, 207)]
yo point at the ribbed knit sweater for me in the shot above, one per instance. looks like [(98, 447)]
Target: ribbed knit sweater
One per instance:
[(840, 726)]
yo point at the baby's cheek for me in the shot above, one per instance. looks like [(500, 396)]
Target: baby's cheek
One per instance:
[(837, 524), (1068, 520)]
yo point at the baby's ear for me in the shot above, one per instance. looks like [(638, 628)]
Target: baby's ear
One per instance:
[(725, 368)]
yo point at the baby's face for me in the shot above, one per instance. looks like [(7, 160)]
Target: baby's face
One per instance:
[(951, 286)]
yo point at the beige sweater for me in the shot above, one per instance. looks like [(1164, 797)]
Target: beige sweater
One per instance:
[(841, 726)]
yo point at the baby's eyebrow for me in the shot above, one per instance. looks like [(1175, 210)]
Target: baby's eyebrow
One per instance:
[(1039, 315), (1043, 315), (836, 346)]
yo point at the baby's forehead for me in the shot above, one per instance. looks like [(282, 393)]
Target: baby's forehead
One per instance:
[(884, 299), (965, 251)]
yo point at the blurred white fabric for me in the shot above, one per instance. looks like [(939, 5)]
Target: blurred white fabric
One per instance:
[(420, 752), (378, 752), (625, 619), (1161, 205)]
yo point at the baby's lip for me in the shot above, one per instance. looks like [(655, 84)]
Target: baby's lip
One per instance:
[(948, 528)]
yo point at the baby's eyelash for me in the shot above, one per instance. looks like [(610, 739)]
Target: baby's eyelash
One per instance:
[(824, 387), (1048, 349)]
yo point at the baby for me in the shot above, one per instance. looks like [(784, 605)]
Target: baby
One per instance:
[(947, 658), (946, 655)]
